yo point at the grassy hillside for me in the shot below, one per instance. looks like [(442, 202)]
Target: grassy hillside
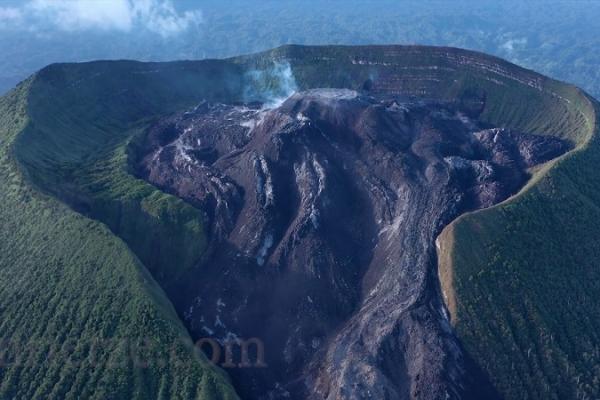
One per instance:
[(81, 316), (83, 118), (521, 279), (525, 284)]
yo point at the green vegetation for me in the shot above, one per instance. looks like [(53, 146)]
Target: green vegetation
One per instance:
[(84, 120), (81, 316), (525, 281), (521, 278)]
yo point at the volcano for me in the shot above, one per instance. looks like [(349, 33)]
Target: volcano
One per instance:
[(370, 222)]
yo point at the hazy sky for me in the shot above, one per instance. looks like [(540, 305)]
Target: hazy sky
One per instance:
[(39, 16)]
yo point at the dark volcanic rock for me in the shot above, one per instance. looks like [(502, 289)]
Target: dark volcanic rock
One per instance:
[(323, 214)]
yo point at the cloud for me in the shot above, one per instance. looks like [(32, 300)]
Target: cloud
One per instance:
[(157, 16), (162, 18), (70, 15), (10, 16), (512, 44)]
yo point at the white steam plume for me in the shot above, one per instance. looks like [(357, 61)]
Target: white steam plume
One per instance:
[(271, 86)]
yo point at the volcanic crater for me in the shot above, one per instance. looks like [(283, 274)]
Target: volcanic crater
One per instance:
[(322, 214)]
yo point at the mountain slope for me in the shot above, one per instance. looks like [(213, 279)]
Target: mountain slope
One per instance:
[(88, 230), (523, 281), (81, 316)]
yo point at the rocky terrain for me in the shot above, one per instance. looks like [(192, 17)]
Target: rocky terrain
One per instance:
[(322, 213)]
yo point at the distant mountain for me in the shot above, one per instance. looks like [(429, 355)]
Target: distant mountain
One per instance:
[(326, 222)]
